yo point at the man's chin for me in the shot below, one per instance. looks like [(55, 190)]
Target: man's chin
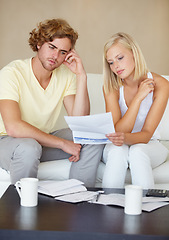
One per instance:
[(52, 67)]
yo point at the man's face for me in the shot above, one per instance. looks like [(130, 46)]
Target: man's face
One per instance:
[(52, 54)]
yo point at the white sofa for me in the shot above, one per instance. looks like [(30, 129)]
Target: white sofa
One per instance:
[(59, 170)]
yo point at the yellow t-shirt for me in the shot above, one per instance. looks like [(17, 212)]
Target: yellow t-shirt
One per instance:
[(38, 107)]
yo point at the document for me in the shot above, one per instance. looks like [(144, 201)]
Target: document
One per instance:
[(91, 129), (78, 197), (59, 188), (148, 203)]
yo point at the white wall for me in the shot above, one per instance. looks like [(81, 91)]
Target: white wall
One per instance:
[(95, 20)]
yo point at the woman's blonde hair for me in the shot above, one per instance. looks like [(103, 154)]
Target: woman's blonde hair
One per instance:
[(111, 81), (48, 30)]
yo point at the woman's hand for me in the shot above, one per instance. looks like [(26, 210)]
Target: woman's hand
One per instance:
[(145, 87), (116, 138)]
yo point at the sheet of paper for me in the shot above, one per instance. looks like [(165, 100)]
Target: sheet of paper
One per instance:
[(148, 207), (91, 129), (3, 187), (155, 199), (149, 203), (78, 197), (111, 199), (58, 188)]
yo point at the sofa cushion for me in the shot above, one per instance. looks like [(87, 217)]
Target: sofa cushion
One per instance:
[(4, 175), (164, 124), (164, 129), (58, 169)]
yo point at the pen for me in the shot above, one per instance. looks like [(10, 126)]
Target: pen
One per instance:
[(98, 195)]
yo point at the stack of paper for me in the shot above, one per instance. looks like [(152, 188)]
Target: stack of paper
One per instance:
[(58, 188)]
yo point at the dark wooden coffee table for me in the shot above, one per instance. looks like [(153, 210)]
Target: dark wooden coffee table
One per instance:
[(52, 219)]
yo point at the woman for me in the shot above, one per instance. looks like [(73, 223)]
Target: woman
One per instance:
[(137, 100)]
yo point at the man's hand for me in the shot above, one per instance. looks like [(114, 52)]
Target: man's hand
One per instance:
[(74, 63), (73, 149)]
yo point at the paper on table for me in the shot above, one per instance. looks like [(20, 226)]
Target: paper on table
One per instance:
[(149, 203), (78, 197), (152, 203), (150, 206), (91, 129), (111, 199), (58, 188)]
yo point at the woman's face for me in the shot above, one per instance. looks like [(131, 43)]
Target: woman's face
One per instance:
[(121, 61)]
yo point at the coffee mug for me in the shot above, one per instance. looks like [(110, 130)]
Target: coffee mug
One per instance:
[(133, 199), (27, 189)]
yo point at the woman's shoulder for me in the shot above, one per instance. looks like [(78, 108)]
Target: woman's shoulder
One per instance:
[(161, 83), (158, 77)]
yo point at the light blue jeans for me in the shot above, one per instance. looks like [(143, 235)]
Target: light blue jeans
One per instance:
[(21, 157), (140, 158)]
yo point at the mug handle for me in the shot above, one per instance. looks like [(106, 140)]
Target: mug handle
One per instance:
[(17, 185)]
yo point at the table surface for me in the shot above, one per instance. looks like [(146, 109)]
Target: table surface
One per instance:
[(51, 219)]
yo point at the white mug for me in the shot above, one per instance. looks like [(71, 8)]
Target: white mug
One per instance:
[(133, 199), (28, 191)]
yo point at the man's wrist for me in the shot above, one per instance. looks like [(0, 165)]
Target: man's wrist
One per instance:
[(82, 76)]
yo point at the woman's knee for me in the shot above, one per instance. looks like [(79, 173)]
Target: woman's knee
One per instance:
[(138, 154), (112, 152)]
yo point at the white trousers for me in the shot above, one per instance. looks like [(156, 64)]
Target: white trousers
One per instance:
[(140, 158)]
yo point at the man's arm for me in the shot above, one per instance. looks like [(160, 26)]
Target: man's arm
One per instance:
[(16, 127), (79, 104)]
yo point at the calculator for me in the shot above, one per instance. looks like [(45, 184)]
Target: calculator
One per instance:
[(156, 193)]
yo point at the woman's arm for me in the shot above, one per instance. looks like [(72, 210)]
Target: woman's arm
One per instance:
[(127, 122), (112, 104), (160, 99)]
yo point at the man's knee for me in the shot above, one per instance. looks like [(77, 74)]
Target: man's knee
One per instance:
[(96, 149), (28, 151)]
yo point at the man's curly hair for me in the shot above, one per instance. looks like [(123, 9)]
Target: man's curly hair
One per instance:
[(48, 30)]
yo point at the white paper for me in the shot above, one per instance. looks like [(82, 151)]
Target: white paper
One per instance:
[(148, 207), (91, 129), (58, 188), (155, 199), (78, 197), (111, 199), (148, 203)]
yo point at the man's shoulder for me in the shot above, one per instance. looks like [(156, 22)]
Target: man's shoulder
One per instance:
[(17, 65)]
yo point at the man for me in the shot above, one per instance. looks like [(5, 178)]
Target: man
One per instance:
[(32, 92)]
